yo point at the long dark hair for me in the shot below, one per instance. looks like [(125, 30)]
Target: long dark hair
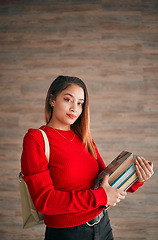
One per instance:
[(82, 125)]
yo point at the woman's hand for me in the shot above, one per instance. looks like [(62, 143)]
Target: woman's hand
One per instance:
[(144, 169), (114, 195)]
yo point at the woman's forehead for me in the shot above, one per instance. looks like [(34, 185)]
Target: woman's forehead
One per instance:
[(74, 91)]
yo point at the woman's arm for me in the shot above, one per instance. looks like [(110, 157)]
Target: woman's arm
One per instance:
[(100, 160), (46, 198)]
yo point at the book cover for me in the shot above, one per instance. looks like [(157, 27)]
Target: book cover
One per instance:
[(117, 167)]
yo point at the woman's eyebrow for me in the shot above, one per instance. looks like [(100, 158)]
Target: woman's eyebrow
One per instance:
[(72, 96)]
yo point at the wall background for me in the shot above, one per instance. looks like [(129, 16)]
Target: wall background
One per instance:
[(113, 46)]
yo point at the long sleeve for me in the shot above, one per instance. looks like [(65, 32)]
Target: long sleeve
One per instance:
[(135, 186), (100, 161), (46, 198)]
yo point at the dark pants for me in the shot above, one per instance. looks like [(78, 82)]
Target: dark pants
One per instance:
[(101, 231)]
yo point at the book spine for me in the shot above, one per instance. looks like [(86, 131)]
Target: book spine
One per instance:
[(126, 179), (127, 184), (124, 176)]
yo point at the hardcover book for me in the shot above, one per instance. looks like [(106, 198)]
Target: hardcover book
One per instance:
[(124, 176), (127, 184), (120, 171)]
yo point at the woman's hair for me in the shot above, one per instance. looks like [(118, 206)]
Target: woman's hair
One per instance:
[(82, 125)]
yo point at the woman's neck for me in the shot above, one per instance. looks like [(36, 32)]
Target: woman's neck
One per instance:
[(59, 127)]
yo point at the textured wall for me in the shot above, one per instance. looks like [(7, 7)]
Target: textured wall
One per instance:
[(111, 45)]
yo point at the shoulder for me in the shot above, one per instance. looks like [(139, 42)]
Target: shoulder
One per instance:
[(33, 132), (33, 135)]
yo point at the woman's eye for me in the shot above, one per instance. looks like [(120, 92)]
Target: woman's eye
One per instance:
[(67, 99), (80, 104)]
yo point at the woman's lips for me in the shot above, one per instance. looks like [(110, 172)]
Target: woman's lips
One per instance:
[(71, 116)]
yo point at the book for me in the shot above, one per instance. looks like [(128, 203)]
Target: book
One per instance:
[(127, 184), (117, 169), (124, 177)]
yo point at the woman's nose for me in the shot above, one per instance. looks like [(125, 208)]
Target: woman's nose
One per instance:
[(73, 108)]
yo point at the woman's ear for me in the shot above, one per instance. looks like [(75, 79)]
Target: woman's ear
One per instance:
[(51, 101)]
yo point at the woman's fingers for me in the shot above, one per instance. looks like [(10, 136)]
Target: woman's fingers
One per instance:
[(144, 169), (122, 196), (118, 200)]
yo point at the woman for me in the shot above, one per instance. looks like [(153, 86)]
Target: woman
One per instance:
[(63, 191)]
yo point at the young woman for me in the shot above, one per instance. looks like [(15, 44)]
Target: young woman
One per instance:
[(63, 190)]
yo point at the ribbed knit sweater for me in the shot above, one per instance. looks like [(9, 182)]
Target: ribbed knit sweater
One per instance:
[(63, 190)]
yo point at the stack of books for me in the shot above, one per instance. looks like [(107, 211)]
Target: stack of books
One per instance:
[(122, 172)]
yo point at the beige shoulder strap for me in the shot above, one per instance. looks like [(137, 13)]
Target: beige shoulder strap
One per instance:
[(46, 142)]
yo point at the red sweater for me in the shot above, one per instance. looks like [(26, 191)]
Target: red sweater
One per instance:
[(64, 190)]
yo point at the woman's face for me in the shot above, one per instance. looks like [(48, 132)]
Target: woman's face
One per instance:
[(67, 107)]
